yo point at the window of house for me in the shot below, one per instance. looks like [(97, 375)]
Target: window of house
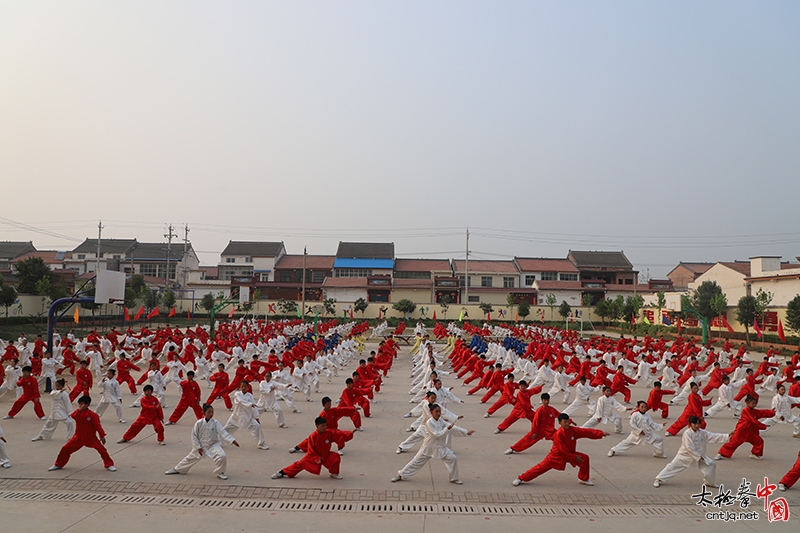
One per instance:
[(81, 256), (353, 272), (486, 281), (248, 259), (148, 269), (286, 277), (117, 257), (568, 276), (474, 299), (264, 276), (230, 259), (549, 276), (508, 282), (318, 277), (529, 279), (461, 281)]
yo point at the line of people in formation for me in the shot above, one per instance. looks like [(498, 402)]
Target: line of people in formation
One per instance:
[(279, 358)]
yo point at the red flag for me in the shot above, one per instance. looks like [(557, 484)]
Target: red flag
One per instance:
[(139, 313), (633, 320), (488, 317), (725, 323), (154, 313), (127, 314), (757, 329), (781, 334), (171, 312), (189, 314), (516, 317), (434, 314), (351, 314), (230, 313), (678, 323)]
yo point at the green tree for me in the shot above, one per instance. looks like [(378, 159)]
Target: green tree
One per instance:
[(719, 305), (287, 307), (564, 309), (486, 307), (208, 302), (524, 309), (602, 309), (702, 298), (130, 297), (746, 313), (792, 314), (661, 303), (551, 301), (169, 299), (330, 306), (30, 272), (616, 308), (763, 300), (152, 298), (138, 285), (8, 297), (587, 300), (632, 306), (405, 306), (247, 306), (444, 303), (359, 306)]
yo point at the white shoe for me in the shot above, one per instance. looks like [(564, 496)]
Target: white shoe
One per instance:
[(659, 456), (336, 476), (709, 484), (171, 471), (7, 417), (509, 451), (457, 482), (8, 465), (754, 456), (359, 428), (36, 438), (497, 431), (657, 483), (43, 418), (781, 486), (587, 482), (263, 447), (294, 449), (278, 475), (718, 457), (54, 467), (223, 477), (121, 421), (168, 423), (162, 443), (395, 479), (611, 453), (399, 450), (487, 415), (112, 468), (517, 482)]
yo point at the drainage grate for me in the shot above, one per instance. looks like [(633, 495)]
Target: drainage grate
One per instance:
[(295, 506), (455, 508), (376, 507), (418, 508), (498, 509), (182, 502), (618, 511), (255, 504), (577, 511), (694, 512), (216, 503), (59, 497), (139, 499), (338, 507), (537, 511), (21, 495), (98, 498), (657, 511)]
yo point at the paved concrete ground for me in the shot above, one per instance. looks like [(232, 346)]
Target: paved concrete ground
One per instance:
[(84, 494)]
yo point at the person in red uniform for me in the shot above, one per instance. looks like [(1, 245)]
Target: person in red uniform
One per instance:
[(351, 397), (495, 385), (522, 406), (791, 477), (124, 368), (190, 397), (746, 430), (30, 393), (715, 380), (83, 381), (319, 452), (620, 384), (543, 426), (87, 431), (749, 387), (221, 385), (694, 407), (332, 415), (151, 414), (563, 452), (656, 399), (506, 396)]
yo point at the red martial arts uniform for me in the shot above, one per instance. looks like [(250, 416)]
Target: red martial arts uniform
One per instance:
[(543, 426), (563, 452), (333, 415), (694, 407), (792, 475), (83, 383), (190, 397), (151, 414), (655, 401), (506, 396), (221, 386), (30, 393), (319, 453), (747, 429), (87, 431)]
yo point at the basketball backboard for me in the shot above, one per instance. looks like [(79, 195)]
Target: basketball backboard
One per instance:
[(109, 287)]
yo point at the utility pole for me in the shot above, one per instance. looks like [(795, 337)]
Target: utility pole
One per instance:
[(303, 285), (185, 252), (99, 236), (466, 273), (169, 236)]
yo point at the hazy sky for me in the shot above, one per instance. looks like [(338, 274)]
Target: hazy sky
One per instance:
[(668, 130)]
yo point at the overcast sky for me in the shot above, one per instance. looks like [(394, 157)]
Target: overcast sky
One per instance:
[(668, 130)]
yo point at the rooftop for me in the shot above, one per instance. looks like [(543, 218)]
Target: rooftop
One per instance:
[(422, 265), (107, 246), (313, 262), (365, 250), (487, 267), (12, 249), (597, 259), (544, 264), (254, 249)]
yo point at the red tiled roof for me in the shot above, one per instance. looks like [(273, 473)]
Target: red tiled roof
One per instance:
[(788, 266), (350, 283), (401, 283), (743, 267), (488, 267), (48, 256), (697, 268), (422, 265), (544, 264), (313, 262)]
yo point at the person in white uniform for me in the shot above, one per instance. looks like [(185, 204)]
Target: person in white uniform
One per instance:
[(435, 446), (643, 429), (245, 415), (266, 398), (207, 437), (782, 405), (693, 452), (62, 408), (605, 412), (111, 395)]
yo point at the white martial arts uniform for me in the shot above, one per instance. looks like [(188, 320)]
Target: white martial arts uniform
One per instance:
[(207, 435), (782, 405), (434, 446), (62, 408), (4, 461), (111, 395), (693, 451), (725, 400), (244, 416), (582, 397), (604, 412), (642, 428), (267, 402)]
